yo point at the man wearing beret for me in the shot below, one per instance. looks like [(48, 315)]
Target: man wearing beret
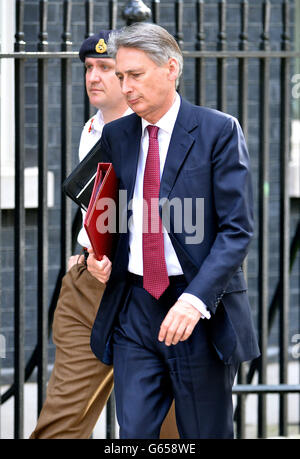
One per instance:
[(80, 384)]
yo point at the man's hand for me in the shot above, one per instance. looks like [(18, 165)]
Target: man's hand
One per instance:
[(99, 269), (179, 323)]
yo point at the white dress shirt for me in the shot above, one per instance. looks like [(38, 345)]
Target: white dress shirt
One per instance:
[(135, 265)]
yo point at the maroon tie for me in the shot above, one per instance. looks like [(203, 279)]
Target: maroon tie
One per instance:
[(155, 273)]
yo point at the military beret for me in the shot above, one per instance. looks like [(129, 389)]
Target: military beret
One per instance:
[(95, 46)]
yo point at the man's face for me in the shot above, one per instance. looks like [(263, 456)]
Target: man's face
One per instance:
[(102, 84), (149, 89)]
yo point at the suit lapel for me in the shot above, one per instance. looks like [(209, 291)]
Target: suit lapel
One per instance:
[(180, 145), (130, 152)]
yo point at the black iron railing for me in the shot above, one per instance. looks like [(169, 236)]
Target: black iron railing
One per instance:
[(136, 10)]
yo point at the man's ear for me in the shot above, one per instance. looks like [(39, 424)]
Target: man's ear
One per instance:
[(173, 69)]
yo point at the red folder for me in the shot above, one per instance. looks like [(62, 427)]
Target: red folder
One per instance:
[(101, 217)]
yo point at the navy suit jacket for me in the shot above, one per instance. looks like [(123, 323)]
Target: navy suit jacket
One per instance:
[(207, 158)]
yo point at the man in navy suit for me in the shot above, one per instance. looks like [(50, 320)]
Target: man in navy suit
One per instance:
[(175, 315)]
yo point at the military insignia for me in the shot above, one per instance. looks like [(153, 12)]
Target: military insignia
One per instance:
[(101, 46)]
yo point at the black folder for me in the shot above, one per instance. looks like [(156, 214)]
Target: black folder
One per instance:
[(79, 184)]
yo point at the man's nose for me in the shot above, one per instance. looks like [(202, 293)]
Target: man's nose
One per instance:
[(95, 75), (125, 87)]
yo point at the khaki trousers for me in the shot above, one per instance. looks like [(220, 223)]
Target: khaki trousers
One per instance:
[(80, 384)]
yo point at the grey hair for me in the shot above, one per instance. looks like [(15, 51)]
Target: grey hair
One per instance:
[(150, 38)]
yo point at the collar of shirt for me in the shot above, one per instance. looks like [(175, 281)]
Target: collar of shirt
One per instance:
[(166, 126), (98, 121), (128, 112), (167, 121)]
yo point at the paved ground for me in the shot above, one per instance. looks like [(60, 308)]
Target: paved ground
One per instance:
[(30, 396)]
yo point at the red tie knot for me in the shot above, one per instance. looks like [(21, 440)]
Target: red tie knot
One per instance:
[(153, 130)]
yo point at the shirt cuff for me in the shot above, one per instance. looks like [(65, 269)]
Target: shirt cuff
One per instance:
[(197, 303)]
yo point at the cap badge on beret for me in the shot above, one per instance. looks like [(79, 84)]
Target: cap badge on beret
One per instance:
[(101, 46)]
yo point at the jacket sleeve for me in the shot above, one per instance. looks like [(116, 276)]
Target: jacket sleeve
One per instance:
[(234, 209)]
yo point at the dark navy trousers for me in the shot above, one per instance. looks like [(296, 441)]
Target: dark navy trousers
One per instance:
[(148, 374)]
